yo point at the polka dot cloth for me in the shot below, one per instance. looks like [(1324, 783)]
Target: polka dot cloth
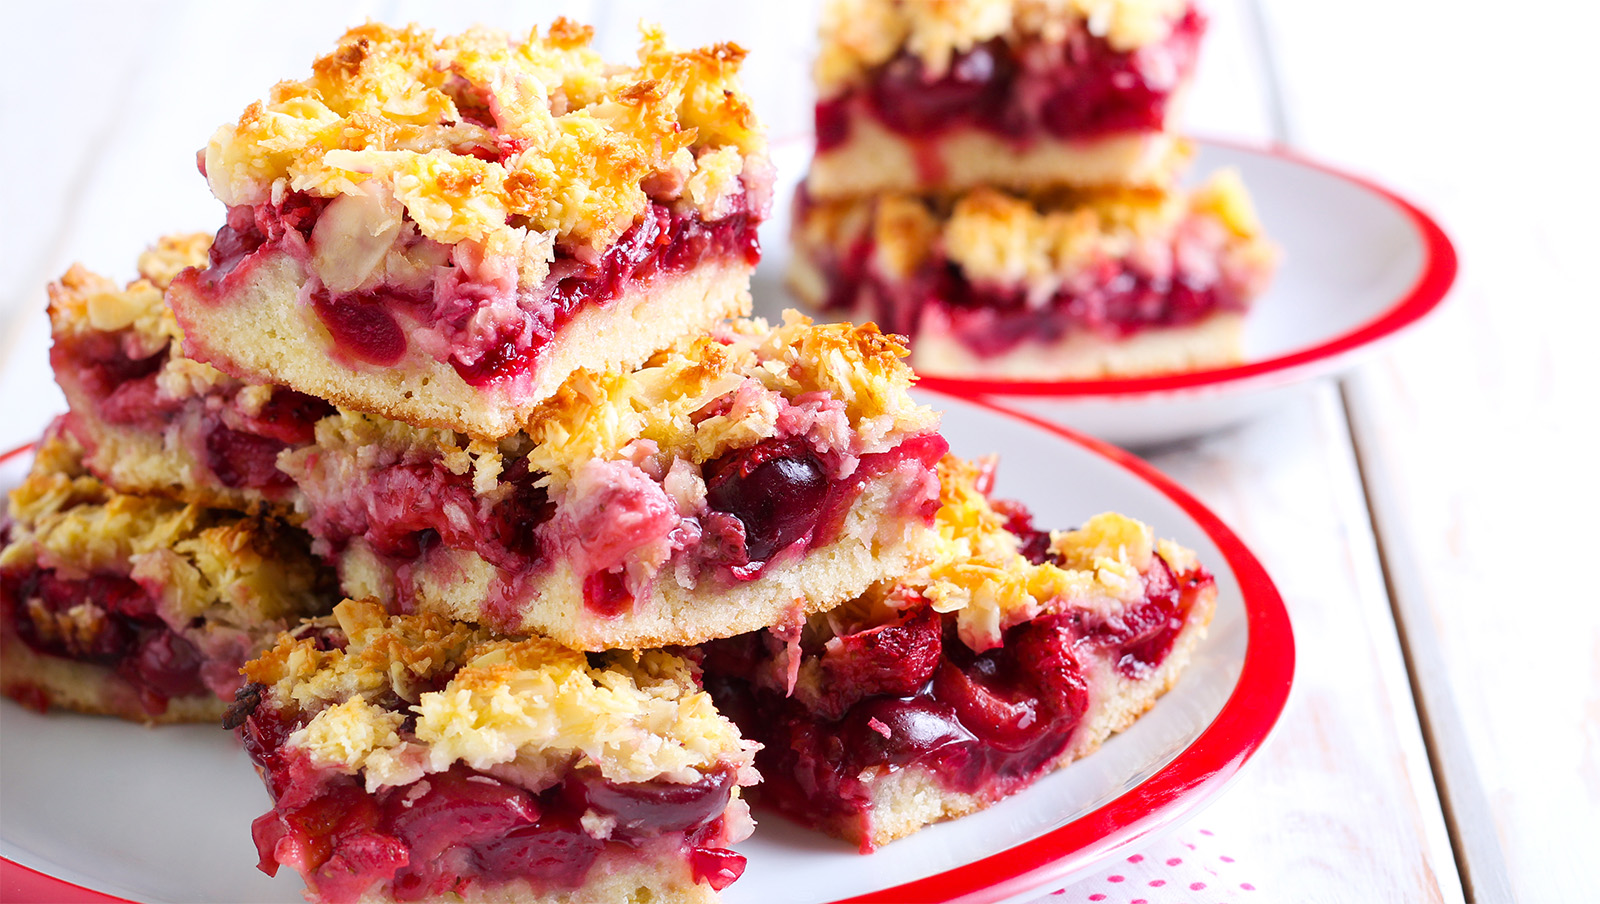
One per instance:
[(1192, 867)]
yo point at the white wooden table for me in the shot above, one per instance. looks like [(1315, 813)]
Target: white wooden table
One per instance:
[(1428, 518)]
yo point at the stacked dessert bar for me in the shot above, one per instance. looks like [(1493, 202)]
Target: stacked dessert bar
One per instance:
[(998, 179), (138, 571), (472, 353)]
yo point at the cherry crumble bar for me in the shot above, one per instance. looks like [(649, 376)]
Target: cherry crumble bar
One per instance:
[(739, 480), (417, 759), (139, 607), (153, 420), (441, 230), (1055, 285), (1016, 653), (1022, 94)]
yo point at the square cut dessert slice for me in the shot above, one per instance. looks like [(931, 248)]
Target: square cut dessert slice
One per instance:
[(1016, 653), (1062, 285), (154, 421), (441, 230), (417, 759), (1021, 94), (136, 606), (736, 481)]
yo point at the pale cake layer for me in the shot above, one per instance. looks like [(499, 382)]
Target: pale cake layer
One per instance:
[(874, 544), (874, 159), (265, 332)]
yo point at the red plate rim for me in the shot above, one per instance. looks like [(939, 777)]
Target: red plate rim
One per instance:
[(1438, 274), (1204, 767)]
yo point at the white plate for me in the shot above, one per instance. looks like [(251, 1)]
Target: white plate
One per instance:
[(1360, 263), (164, 814)]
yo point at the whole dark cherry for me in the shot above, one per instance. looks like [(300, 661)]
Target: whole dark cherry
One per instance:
[(776, 488), (650, 807)]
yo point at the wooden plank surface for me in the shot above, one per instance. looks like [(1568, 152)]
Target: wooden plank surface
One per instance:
[(1340, 807), (1475, 431)]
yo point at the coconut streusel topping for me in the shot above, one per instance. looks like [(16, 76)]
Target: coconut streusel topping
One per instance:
[(526, 704), (1040, 241), (82, 302), (853, 376), (503, 141), (858, 35), (980, 573), (197, 562)]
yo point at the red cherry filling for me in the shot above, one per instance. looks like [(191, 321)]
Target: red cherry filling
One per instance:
[(1035, 542), (1143, 635), (991, 319), (984, 723), (894, 660), (454, 830), (775, 488), (1081, 88), (104, 620), (661, 241), (361, 324), (978, 723), (249, 228), (907, 101), (642, 809), (409, 506), (243, 459)]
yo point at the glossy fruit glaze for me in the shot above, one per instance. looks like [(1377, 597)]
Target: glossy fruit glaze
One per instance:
[(122, 633), (459, 829), (370, 326), (238, 447), (907, 692), (1078, 89)]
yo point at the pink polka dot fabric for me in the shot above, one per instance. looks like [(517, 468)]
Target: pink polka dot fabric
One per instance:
[(1193, 867)]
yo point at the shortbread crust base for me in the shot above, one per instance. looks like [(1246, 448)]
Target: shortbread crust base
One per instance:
[(872, 546), (263, 332), (874, 159)]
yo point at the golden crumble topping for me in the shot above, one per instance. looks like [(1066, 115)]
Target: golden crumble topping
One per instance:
[(597, 415), (200, 563), (490, 138), (82, 302), (86, 307), (980, 573), (1040, 240), (507, 703), (858, 35)]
